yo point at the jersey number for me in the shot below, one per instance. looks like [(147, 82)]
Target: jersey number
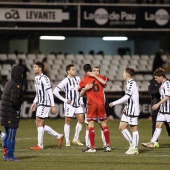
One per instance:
[(95, 87)]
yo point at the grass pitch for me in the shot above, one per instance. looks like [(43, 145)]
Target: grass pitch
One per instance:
[(68, 158)]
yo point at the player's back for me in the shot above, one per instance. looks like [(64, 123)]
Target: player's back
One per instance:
[(96, 94)]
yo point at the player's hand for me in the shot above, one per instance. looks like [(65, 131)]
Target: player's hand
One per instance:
[(82, 104), (124, 110), (88, 86), (33, 107), (91, 74), (111, 104), (53, 109), (155, 106), (68, 101)]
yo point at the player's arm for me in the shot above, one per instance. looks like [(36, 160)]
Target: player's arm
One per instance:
[(119, 101), (83, 90), (155, 106), (102, 81), (57, 90)]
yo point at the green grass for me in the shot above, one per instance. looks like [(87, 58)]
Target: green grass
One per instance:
[(69, 158)]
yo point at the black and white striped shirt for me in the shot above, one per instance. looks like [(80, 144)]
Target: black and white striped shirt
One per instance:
[(165, 91), (132, 104), (44, 95), (70, 87)]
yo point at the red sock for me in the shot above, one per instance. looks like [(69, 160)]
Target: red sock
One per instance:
[(106, 135), (5, 151), (91, 136)]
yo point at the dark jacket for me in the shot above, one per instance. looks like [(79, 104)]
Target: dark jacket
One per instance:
[(153, 89), (11, 99)]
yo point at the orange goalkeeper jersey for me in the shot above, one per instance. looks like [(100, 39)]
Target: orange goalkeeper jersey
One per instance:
[(96, 94)]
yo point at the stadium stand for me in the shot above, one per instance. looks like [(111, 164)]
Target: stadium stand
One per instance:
[(110, 66)]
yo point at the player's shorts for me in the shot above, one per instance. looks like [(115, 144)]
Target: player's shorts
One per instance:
[(42, 111), (69, 110), (86, 122), (130, 120), (96, 111), (163, 117)]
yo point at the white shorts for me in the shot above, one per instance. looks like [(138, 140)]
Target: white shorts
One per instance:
[(42, 111), (129, 120), (163, 117), (69, 110)]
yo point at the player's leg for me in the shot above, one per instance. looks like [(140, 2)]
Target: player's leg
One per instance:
[(57, 135), (5, 144), (69, 112), (123, 128), (102, 135), (160, 119), (106, 134), (87, 140), (91, 116), (2, 135), (67, 130), (135, 138), (154, 114), (41, 114), (101, 114), (80, 118)]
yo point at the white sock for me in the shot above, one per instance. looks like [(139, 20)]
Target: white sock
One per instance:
[(40, 136), (67, 132), (135, 138), (77, 130), (156, 134), (2, 134), (127, 135), (50, 131), (103, 139), (87, 138)]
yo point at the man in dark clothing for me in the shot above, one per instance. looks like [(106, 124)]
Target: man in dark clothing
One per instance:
[(11, 101), (158, 61), (153, 89), (25, 83)]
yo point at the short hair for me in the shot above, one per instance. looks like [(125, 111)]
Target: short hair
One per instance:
[(159, 73), (160, 68), (40, 64), (69, 66), (130, 71), (87, 68)]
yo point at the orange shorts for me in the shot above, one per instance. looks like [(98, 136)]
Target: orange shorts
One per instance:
[(96, 111)]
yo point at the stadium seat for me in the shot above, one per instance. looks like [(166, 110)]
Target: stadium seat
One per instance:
[(22, 56), (51, 56), (107, 57), (3, 57), (79, 57), (89, 56), (126, 57), (32, 57), (98, 57), (12, 57), (60, 56), (144, 57), (70, 57), (139, 77), (40, 57), (135, 57), (117, 57)]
